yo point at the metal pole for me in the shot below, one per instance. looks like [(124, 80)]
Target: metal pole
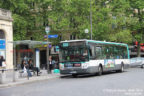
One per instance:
[(91, 18), (14, 73), (14, 55), (48, 69)]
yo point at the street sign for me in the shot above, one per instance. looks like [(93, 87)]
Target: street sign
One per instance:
[(45, 39), (45, 45), (86, 31), (47, 29), (2, 44), (45, 36), (52, 36)]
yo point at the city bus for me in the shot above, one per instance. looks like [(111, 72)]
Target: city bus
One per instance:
[(90, 56)]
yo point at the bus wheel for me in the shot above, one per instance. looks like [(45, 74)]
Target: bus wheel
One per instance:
[(99, 71), (122, 68), (142, 66), (74, 75)]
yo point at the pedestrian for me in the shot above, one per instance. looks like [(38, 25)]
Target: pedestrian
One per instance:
[(33, 67), (24, 66), (53, 64), (50, 63), (2, 62), (25, 59)]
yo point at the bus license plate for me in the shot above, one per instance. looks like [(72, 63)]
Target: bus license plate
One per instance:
[(69, 65), (73, 72)]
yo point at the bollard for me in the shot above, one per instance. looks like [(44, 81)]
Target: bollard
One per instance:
[(15, 75), (2, 77), (20, 74)]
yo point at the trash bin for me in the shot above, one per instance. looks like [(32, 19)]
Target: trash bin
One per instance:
[(56, 71), (15, 76)]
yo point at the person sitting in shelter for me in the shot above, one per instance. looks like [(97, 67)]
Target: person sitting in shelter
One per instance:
[(24, 66), (33, 67)]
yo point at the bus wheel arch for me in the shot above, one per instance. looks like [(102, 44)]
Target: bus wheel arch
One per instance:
[(74, 75), (100, 70), (121, 67)]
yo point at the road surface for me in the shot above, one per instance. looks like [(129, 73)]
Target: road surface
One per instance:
[(128, 83)]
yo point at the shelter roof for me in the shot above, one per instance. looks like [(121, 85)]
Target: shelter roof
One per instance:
[(29, 42)]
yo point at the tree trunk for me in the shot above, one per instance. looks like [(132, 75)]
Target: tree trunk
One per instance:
[(140, 31), (138, 50)]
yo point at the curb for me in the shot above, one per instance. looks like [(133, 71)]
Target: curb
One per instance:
[(31, 80)]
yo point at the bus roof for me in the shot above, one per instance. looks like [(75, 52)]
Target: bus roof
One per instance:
[(94, 41)]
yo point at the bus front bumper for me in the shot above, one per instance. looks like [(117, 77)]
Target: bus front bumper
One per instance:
[(79, 71)]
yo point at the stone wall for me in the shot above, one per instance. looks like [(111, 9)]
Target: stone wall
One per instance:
[(7, 27)]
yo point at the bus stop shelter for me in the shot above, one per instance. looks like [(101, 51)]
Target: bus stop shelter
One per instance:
[(30, 44)]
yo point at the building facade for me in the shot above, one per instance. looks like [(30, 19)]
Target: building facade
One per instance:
[(6, 35)]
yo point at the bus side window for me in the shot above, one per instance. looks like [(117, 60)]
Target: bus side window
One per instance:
[(98, 51), (107, 52), (126, 55), (92, 52)]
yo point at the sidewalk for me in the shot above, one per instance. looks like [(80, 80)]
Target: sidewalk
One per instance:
[(24, 80)]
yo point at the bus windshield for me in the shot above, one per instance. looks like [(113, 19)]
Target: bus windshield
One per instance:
[(73, 54)]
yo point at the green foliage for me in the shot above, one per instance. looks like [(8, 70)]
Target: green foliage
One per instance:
[(112, 20), (137, 27), (20, 25)]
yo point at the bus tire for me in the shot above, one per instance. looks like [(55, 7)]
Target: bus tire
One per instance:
[(100, 70), (121, 69), (142, 66)]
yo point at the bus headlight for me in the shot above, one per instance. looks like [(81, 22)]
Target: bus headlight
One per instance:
[(85, 65), (61, 66)]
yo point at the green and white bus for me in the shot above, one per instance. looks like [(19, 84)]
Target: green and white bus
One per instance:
[(90, 56)]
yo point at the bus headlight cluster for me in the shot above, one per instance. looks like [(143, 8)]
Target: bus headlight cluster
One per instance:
[(85, 65), (61, 66)]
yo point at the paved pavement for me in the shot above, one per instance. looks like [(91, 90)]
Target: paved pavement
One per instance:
[(128, 83), (23, 80)]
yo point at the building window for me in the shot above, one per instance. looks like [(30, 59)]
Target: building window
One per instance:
[(2, 35), (72, 37)]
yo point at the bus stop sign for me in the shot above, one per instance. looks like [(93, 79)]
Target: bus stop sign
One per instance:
[(2, 44), (52, 36)]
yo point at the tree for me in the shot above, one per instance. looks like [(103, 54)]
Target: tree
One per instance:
[(112, 20), (136, 26)]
